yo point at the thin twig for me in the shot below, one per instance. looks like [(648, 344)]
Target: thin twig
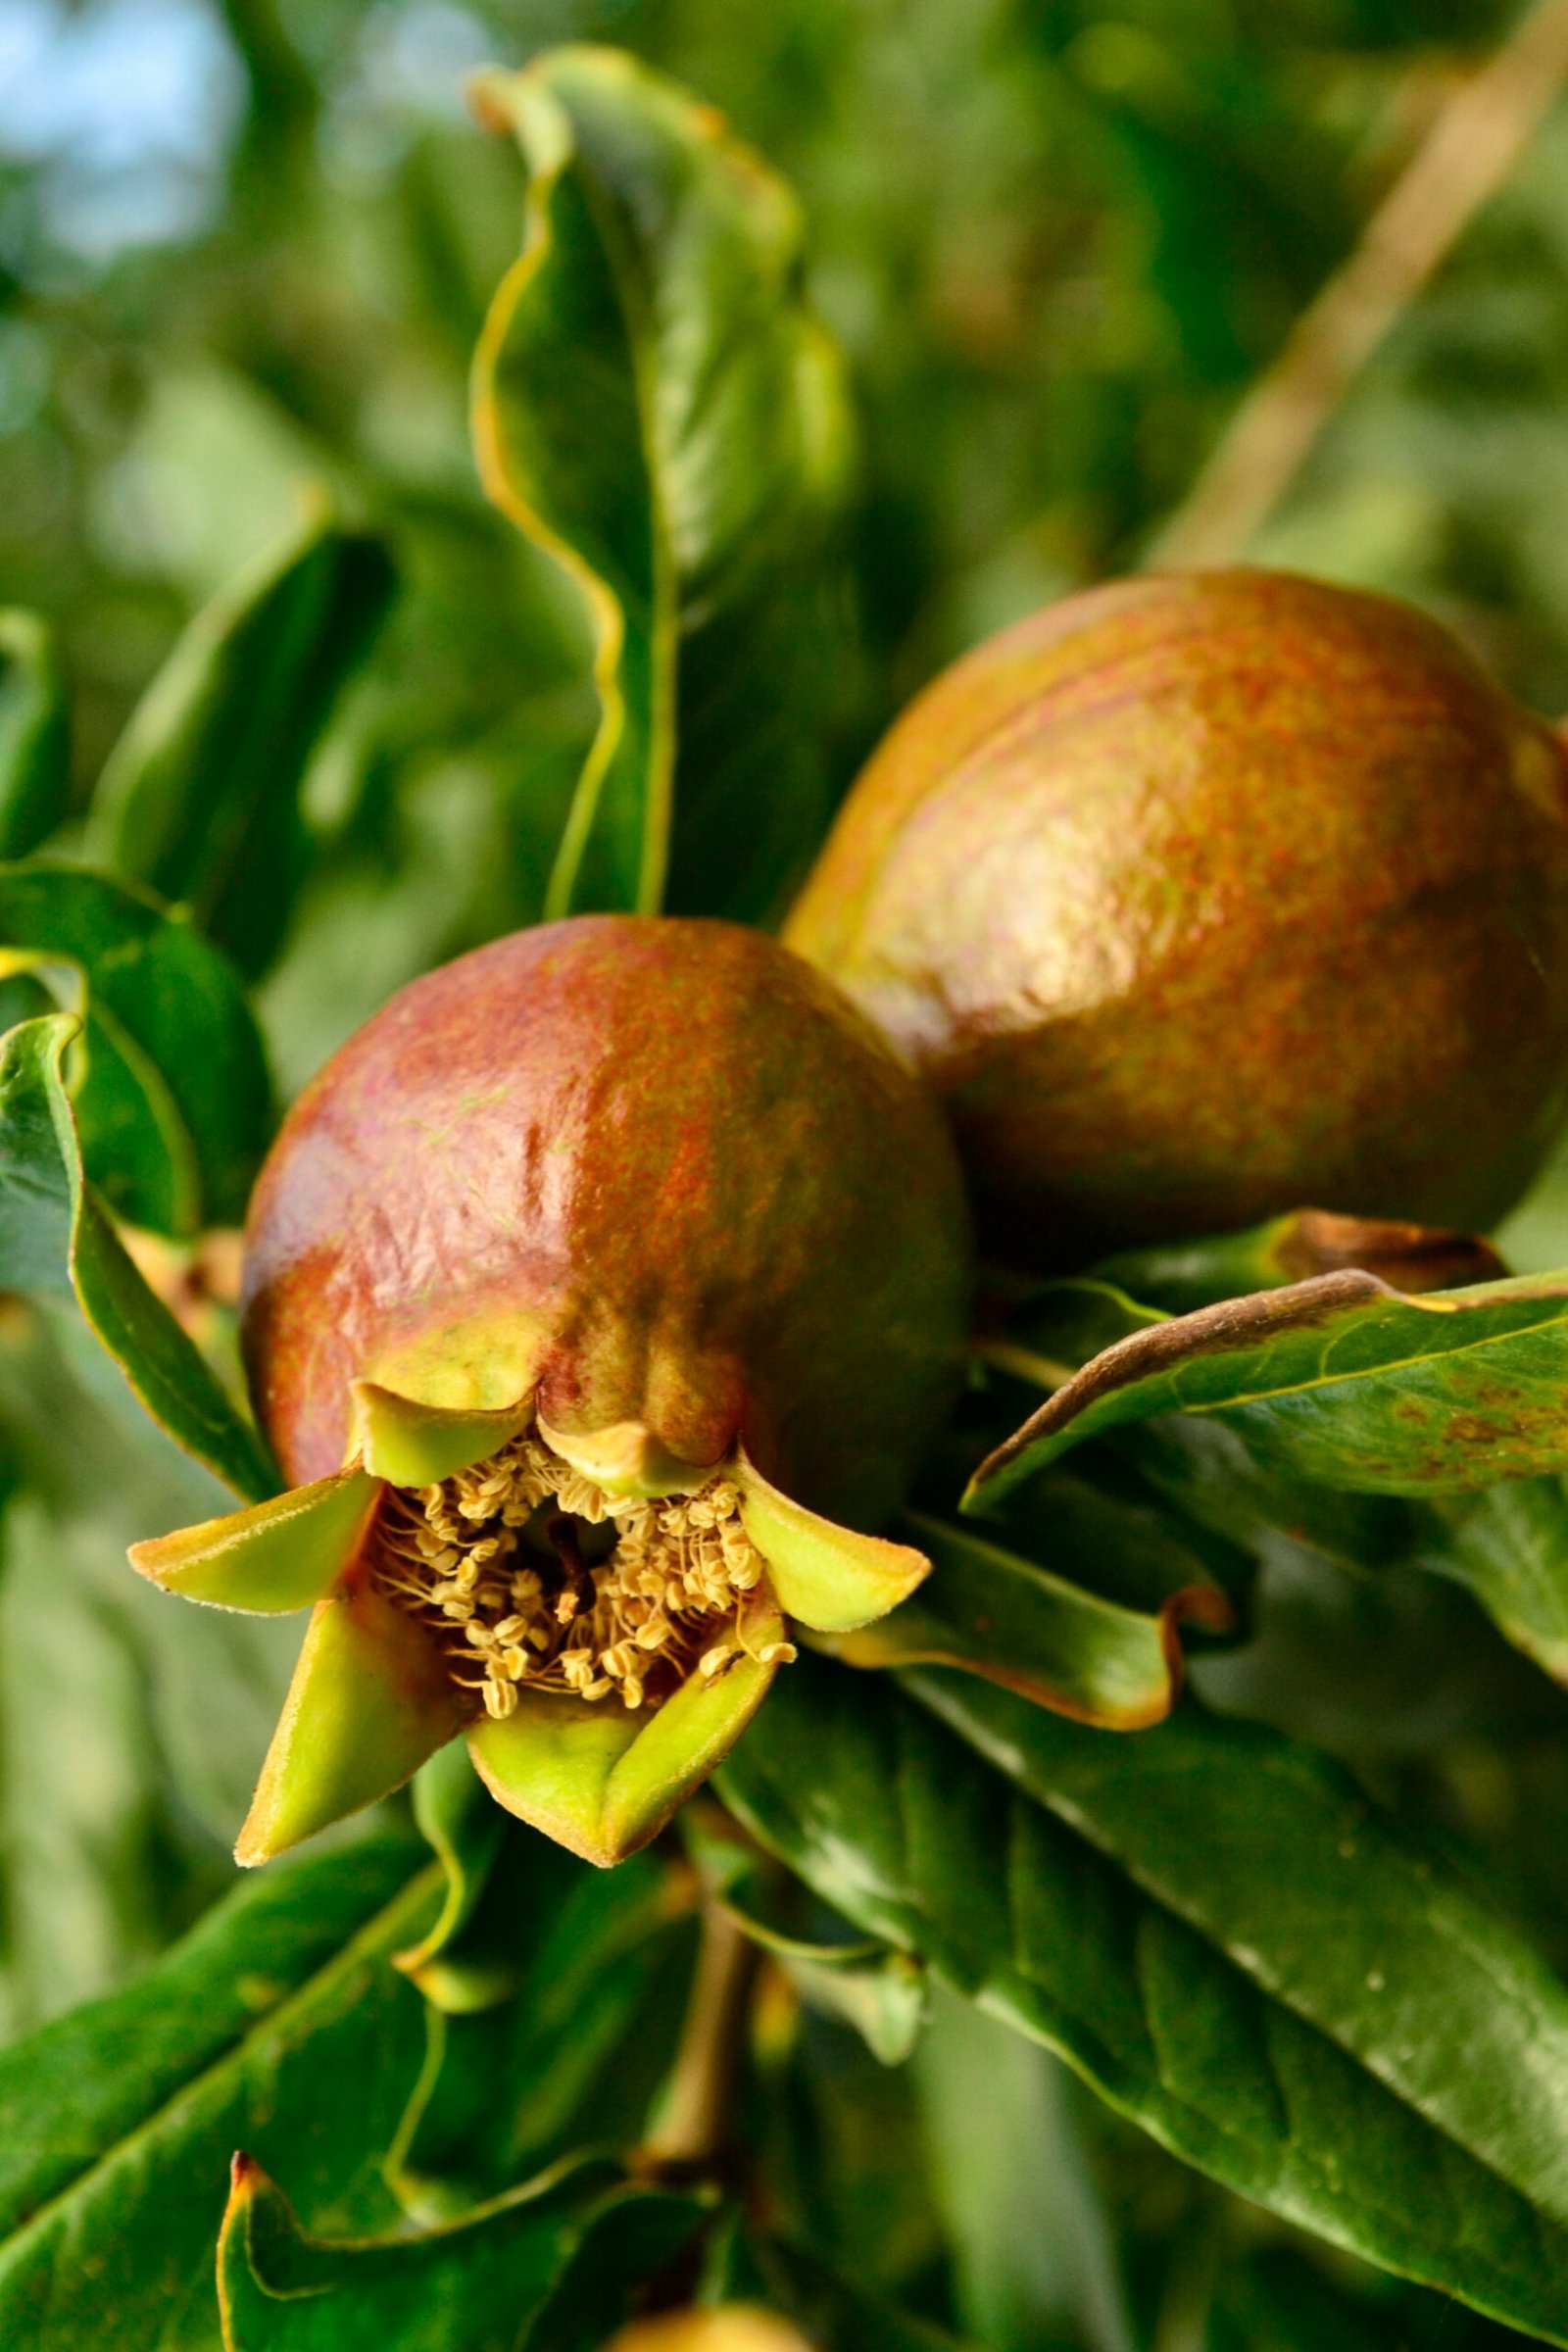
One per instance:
[(1471, 148), (692, 2135)]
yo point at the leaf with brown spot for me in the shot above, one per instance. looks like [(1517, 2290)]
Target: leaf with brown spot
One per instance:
[(1342, 1380)]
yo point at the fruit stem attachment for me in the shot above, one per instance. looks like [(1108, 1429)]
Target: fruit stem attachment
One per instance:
[(692, 2135)]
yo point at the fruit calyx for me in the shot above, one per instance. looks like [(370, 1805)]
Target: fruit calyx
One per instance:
[(600, 1652)]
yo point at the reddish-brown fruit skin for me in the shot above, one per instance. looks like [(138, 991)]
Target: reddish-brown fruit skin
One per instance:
[(1203, 896), (672, 1146)]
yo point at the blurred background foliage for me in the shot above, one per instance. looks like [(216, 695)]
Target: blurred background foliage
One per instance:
[(244, 252), (243, 248)]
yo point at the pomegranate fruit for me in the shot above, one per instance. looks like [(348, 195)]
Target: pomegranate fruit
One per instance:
[(597, 1296), (1203, 897)]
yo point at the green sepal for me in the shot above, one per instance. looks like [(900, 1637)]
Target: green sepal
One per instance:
[(626, 1459), (825, 1576), (274, 1558), (412, 1444), (602, 1780), (370, 1700)]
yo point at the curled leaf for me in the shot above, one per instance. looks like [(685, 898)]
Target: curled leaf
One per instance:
[(1340, 1379), (1415, 1258), (172, 1095), (656, 406), (991, 1612), (56, 1237), (199, 798), (465, 2287)]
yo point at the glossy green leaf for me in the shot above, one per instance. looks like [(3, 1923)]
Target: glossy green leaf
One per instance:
[(199, 798), (459, 1817), (656, 404), (1179, 1276), (1215, 1926), (995, 1613), (1340, 1379), (34, 734), (277, 2026), (474, 2285), (1507, 1544), (1195, 1463), (173, 1099), (1509, 1547), (572, 2055), (55, 1238)]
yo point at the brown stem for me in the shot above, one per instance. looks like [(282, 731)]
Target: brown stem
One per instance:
[(1470, 150), (692, 2135)]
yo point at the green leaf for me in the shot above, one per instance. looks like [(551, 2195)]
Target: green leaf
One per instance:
[(599, 1964), (1195, 1463), (995, 1613), (1217, 1929), (656, 404), (199, 798), (487, 2282), (1509, 1547), (1340, 1379), (129, 1729), (55, 1237), (459, 1817), (277, 2026), (174, 1102), (1030, 2242), (34, 734)]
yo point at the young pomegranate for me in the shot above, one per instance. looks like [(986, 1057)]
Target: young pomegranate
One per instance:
[(1203, 897), (595, 1294)]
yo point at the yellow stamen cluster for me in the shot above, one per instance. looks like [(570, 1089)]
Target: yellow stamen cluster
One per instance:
[(493, 1556)]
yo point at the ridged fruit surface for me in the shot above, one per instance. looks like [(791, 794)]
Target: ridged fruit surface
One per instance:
[(651, 1172), (1205, 896)]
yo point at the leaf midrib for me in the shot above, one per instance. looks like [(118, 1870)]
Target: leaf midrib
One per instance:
[(1158, 1889), (1329, 1379)]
